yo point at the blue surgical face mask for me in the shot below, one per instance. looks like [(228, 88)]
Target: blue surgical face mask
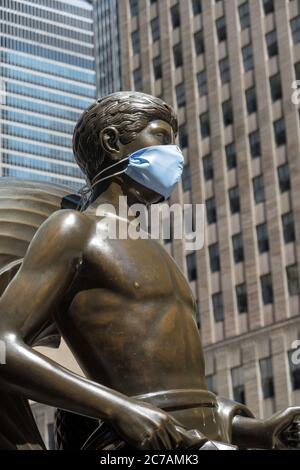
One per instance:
[(158, 168)]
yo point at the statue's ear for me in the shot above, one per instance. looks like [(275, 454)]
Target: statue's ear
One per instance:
[(109, 140)]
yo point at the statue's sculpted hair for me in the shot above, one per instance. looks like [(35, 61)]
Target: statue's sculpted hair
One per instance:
[(129, 112)]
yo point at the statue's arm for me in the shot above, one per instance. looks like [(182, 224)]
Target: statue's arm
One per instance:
[(28, 303), (250, 433), (279, 431), (26, 306)]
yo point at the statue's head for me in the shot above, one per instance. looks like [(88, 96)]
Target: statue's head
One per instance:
[(118, 125)]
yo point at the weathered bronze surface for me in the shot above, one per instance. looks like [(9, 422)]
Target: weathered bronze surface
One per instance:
[(124, 308)]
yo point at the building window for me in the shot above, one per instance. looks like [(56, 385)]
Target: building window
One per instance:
[(197, 314), (217, 301), (224, 70), (247, 53), (268, 6), (241, 298), (230, 155), (254, 142), (266, 289), (295, 27), (251, 100), (227, 113), (180, 95), (275, 86), (199, 42), (137, 79), (259, 189), (244, 15), (238, 248), (183, 136), (214, 257), (204, 125), (221, 29), (279, 130), (211, 382), (175, 16), (197, 7), (202, 83), (208, 168), (293, 279), (297, 70), (157, 69), (234, 199), (262, 237), (211, 212), (186, 178), (294, 371), (135, 40), (155, 30), (266, 373), (284, 178), (134, 7), (191, 267), (238, 387), (288, 227), (177, 52), (272, 46)]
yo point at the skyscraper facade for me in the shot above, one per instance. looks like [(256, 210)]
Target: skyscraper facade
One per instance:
[(107, 49), (228, 67), (47, 77)]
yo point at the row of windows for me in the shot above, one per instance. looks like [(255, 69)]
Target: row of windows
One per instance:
[(22, 174), (288, 228), (37, 121), (292, 278), (36, 24), (258, 193), (266, 379), (230, 151), (57, 42), (27, 162), (244, 13), (55, 5), (39, 65), (46, 95), (39, 51), (224, 69), (24, 76), (35, 149), (41, 108), (274, 81), (33, 134), (23, 8), (228, 119)]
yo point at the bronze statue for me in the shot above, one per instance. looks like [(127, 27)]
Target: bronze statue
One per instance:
[(124, 308)]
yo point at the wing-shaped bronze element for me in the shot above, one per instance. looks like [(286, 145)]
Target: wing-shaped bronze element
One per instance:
[(24, 206)]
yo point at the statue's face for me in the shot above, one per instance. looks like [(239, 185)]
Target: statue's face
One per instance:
[(156, 133)]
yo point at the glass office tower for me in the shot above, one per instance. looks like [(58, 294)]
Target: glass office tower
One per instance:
[(107, 48), (47, 77)]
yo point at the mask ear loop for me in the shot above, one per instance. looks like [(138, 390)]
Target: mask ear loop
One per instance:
[(85, 191), (106, 169)]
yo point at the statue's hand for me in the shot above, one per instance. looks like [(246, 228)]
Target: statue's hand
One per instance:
[(144, 426), (283, 428)]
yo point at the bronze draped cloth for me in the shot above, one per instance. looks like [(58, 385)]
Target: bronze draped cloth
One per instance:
[(194, 409)]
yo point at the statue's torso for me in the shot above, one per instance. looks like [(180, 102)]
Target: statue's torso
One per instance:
[(129, 318)]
